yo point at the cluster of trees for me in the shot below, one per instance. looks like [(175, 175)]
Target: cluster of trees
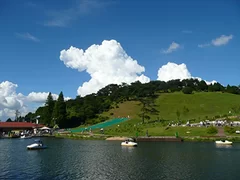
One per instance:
[(19, 119), (190, 85), (75, 112), (52, 113)]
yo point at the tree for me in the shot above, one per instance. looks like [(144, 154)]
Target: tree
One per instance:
[(60, 113), (39, 112), (233, 89), (29, 117), (178, 113), (203, 86), (48, 110), (9, 120), (187, 90), (83, 109), (235, 109), (148, 107), (21, 119), (185, 110), (212, 130)]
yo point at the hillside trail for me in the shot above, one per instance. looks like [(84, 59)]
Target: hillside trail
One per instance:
[(220, 131)]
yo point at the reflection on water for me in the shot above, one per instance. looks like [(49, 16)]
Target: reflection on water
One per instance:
[(224, 146), (128, 149), (106, 160)]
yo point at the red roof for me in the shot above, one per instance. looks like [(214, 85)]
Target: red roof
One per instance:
[(19, 125)]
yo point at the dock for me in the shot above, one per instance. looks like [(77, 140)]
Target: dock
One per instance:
[(159, 139)]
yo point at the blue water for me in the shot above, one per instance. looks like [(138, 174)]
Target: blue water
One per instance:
[(105, 160)]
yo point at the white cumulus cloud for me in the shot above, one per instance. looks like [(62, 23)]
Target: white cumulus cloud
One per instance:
[(173, 47), (220, 41), (172, 71), (105, 63), (8, 96), (39, 97), (10, 100)]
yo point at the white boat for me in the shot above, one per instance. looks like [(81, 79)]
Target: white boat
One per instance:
[(223, 142), (129, 142), (37, 145), (25, 136)]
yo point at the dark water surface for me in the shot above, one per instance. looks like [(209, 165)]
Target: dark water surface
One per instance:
[(105, 160)]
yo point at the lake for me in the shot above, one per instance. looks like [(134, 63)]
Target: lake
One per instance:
[(107, 160)]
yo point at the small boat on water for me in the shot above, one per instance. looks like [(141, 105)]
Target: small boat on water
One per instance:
[(223, 142), (129, 142), (25, 136), (37, 145)]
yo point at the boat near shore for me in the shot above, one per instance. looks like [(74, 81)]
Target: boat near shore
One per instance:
[(223, 142), (25, 136), (37, 145), (129, 142)]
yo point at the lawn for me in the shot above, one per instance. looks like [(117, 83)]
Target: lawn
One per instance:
[(231, 131), (157, 131), (182, 131), (200, 105), (197, 106)]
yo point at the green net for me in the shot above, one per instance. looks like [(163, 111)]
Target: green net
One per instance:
[(101, 125)]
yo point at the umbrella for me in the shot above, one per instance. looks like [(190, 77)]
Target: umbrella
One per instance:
[(45, 128)]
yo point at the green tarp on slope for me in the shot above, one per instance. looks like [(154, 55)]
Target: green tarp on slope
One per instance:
[(101, 125)]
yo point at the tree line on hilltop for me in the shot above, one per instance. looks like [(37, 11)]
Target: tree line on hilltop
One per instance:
[(74, 112)]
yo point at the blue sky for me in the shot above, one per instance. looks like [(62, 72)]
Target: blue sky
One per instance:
[(204, 36)]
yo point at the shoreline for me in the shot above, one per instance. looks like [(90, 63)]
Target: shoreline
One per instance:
[(150, 138)]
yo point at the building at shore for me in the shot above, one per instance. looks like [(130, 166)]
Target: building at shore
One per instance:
[(6, 127)]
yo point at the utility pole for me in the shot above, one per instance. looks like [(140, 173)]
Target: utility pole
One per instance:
[(17, 113)]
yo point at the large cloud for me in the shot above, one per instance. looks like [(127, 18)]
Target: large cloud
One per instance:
[(172, 71), (10, 100), (106, 63), (8, 96), (39, 97)]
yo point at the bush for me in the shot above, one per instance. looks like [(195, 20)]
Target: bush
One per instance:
[(103, 118), (212, 130), (111, 113), (229, 130), (187, 90)]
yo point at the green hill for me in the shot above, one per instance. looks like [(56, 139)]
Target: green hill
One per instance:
[(198, 106), (175, 101), (195, 107)]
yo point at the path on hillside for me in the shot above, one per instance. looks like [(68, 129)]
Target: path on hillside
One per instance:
[(220, 131)]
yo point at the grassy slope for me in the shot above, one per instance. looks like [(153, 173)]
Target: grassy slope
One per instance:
[(155, 130), (200, 105), (130, 108)]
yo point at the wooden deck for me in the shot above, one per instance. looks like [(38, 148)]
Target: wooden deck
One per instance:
[(159, 139)]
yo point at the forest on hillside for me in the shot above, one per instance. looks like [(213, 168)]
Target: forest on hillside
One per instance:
[(81, 110)]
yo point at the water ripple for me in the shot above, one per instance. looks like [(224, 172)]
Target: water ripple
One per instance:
[(104, 160)]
